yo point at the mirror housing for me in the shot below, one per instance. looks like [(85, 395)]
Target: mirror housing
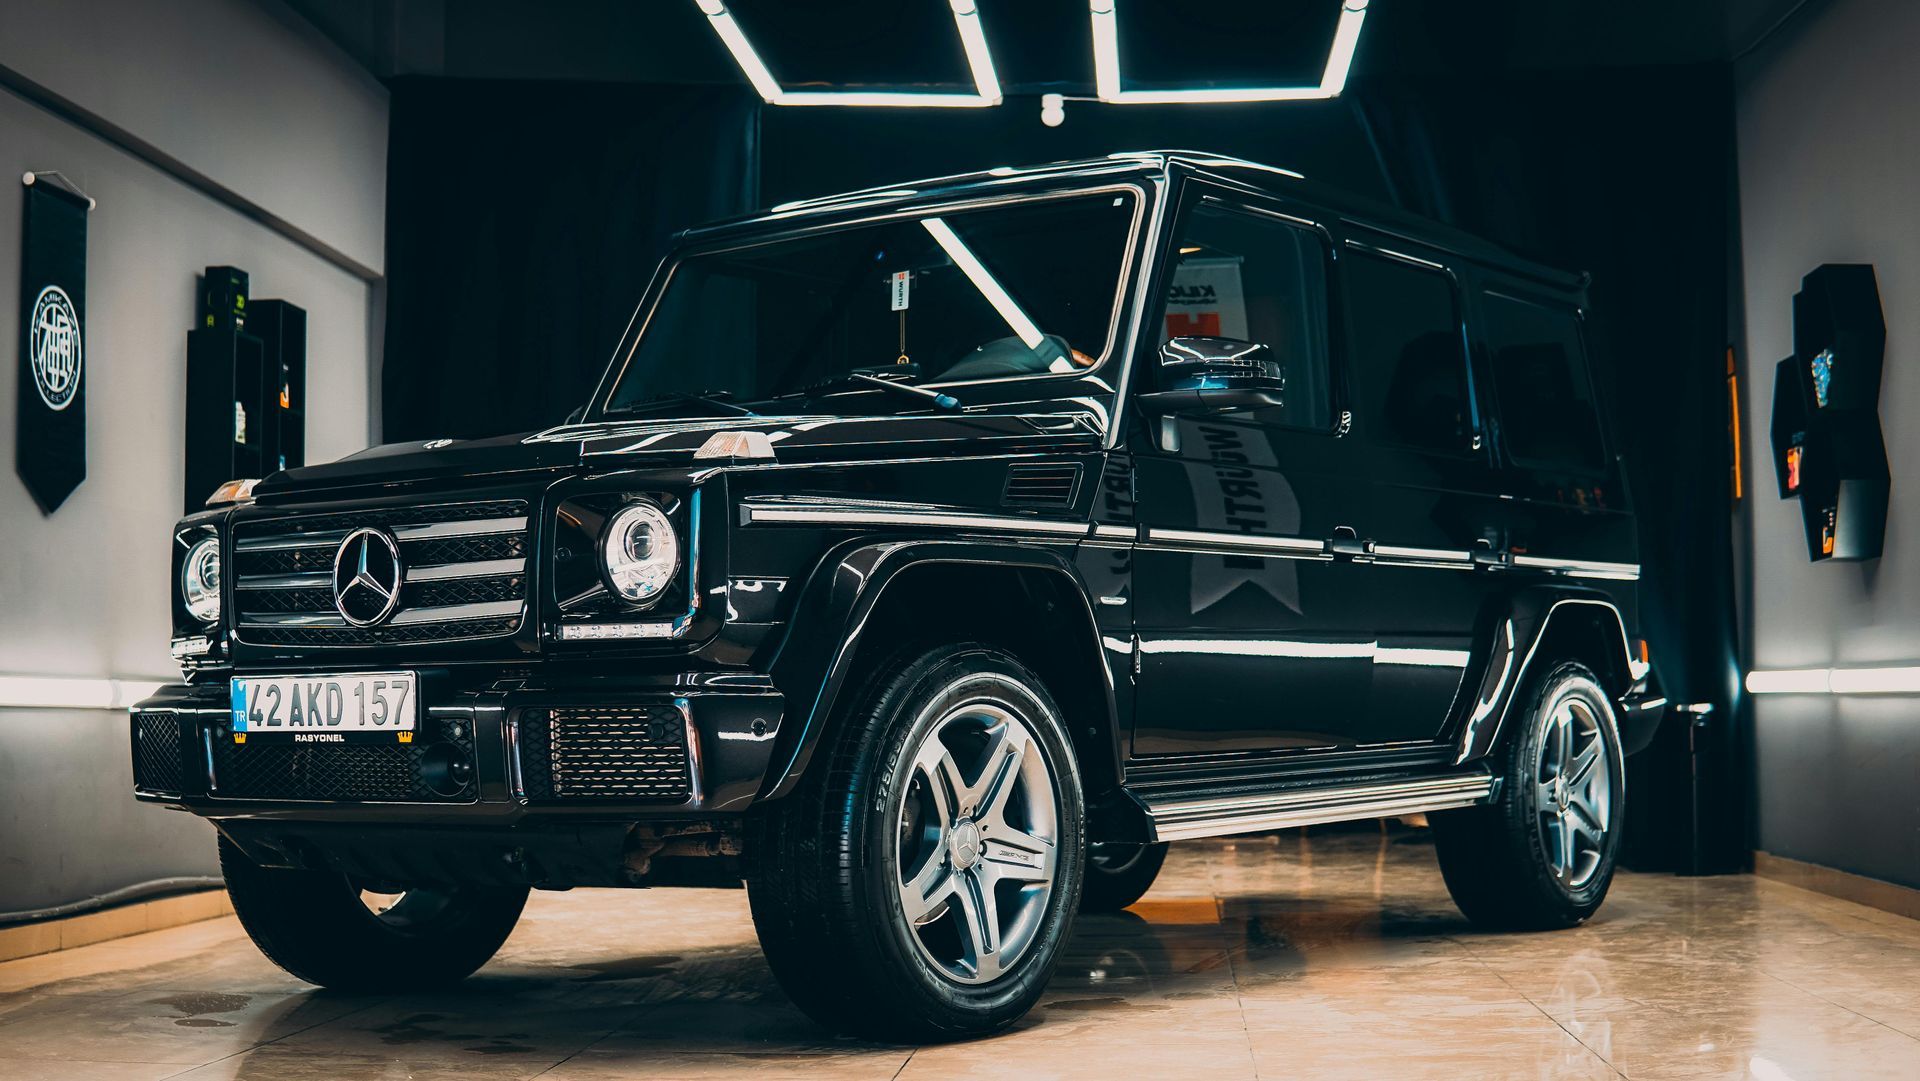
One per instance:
[(1216, 373)]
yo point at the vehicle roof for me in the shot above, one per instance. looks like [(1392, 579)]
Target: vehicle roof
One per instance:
[(1272, 179)]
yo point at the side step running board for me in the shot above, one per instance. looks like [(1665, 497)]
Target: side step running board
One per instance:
[(1247, 812)]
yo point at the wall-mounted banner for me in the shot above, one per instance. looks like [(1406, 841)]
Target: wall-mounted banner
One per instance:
[(50, 451)]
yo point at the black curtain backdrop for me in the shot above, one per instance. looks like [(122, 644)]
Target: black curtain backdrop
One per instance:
[(526, 218), (523, 221)]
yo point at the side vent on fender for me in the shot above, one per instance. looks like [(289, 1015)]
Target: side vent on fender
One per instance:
[(1033, 484)]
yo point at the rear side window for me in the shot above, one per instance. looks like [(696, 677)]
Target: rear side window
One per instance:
[(1540, 383), (1409, 359), (1257, 278)]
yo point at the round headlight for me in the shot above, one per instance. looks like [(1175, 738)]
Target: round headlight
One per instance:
[(200, 580), (640, 552)]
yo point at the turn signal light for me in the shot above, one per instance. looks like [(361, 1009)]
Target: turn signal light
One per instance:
[(233, 491)]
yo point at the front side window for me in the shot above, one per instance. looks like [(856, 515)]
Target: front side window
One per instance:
[(1257, 278), (1547, 414), (1409, 359), (1023, 289)]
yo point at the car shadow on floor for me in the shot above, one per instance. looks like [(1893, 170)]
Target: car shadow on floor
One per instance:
[(1160, 957)]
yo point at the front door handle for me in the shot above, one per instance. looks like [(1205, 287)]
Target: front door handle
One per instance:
[(1487, 557), (1346, 543)]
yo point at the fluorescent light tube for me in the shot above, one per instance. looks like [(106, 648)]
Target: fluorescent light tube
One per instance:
[(1791, 681), (1106, 66), (985, 282), (72, 692), (966, 19), (736, 42), (1901, 680)]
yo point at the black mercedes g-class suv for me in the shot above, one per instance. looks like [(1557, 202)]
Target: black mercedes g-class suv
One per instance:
[(929, 558)]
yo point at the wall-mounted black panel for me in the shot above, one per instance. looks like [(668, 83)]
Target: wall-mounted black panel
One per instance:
[(224, 389), (1827, 447), (1843, 493), (282, 330), (1790, 427), (1839, 336)]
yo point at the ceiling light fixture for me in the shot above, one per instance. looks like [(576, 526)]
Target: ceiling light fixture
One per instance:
[(966, 19), (1106, 66)]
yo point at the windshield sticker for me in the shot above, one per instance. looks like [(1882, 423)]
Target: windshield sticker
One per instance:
[(901, 280)]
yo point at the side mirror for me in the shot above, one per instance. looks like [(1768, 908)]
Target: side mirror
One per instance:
[(579, 414), (1216, 373)]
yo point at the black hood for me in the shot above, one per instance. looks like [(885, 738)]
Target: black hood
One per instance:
[(608, 445)]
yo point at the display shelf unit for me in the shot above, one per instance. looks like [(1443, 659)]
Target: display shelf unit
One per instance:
[(246, 386), (282, 330), (225, 380), (1828, 452)]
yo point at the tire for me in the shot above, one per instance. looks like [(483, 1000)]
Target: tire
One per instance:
[(316, 925), (1118, 874), (1541, 856), (868, 885)]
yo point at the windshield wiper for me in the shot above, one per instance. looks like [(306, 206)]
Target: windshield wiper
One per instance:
[(721, 400), (859, 380)]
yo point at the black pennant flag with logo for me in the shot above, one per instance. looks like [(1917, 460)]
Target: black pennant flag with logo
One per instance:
[(51, 451)]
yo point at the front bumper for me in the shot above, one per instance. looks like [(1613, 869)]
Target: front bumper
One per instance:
[(520, 752)]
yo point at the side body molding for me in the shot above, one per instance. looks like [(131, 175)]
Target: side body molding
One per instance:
[(831, 620), (1515, 648)]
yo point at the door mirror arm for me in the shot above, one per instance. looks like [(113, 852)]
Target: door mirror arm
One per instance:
[(1195, 400)]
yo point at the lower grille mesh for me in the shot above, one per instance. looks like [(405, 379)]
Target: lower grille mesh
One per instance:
[(637, 753), (381, 772), (158, 757), (390, 634)]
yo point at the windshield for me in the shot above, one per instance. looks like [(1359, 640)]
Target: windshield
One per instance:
[(1019, 289)]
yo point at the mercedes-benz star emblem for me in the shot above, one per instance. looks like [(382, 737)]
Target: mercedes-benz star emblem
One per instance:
[(366, 577)]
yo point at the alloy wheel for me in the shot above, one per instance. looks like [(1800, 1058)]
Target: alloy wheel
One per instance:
[(977, 840), (1573, 789)]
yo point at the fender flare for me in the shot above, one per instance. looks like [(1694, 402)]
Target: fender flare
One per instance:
[(1512, 645), (846, 588)]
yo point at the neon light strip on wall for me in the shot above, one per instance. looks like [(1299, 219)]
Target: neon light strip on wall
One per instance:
[(1106, 65), (72, 692), (966, 19), (1892, 679)]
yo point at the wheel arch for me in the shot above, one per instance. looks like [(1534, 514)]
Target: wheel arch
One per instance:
[(861, 605), (1537, 627)]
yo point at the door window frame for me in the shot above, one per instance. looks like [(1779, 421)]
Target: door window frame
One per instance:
[(1197, 192), (1479, 441), (1493, 286)]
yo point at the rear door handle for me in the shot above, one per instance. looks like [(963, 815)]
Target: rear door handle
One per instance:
[(1486, 556), (1347, 544)]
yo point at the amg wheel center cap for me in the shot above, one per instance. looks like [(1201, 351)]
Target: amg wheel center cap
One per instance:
[(964, 844), (1560, 792)]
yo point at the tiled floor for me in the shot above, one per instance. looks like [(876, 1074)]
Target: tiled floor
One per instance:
[(1283, 956)]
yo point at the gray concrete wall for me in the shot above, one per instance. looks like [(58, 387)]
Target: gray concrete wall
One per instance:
[(1829, 137), (239, 90), (250, 104)]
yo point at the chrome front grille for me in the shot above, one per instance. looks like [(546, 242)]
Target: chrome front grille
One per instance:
[(464, 575)]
